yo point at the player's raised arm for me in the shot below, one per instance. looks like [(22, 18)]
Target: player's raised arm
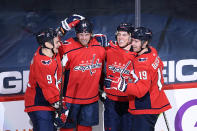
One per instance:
[(68, 23)]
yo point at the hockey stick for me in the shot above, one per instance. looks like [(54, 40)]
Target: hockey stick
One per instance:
[(167, 125), (124, 68), (61, 92), (61, 113)]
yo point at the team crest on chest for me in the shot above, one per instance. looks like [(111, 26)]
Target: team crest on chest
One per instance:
[(90, 65), (120, 68)]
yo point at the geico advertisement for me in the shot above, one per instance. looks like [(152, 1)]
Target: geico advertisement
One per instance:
[(14, 82)]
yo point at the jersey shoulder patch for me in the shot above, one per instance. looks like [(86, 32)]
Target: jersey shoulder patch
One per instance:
[(66, 42), (46, 62)]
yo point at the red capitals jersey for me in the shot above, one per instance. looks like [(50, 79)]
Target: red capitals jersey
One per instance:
[(149, 95), (118, 62), (44, 82), (85, 66)]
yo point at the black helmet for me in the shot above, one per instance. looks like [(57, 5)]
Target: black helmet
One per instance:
[(142, 33), (125, 27), (84, 26), (45, 35)]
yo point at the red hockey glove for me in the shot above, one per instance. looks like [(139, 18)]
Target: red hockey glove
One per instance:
[(61, 115), (71, 21)]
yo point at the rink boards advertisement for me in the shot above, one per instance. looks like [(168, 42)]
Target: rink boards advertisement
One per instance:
[(177, 50)]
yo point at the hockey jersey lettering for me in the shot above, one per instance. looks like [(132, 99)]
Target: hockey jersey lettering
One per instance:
[(155, 64), (43, 86), (84, 65)]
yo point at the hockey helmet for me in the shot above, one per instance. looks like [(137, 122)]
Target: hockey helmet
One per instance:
[(142, 33), (45, 35), (125, 27), (84, 26)]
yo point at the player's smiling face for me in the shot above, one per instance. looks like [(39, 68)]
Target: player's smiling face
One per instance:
[(123, 38), (84, 38), (136, 44)]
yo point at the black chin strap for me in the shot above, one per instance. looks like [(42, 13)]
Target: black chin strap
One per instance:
[(52, 51), (140, 50), (52, 42), (141, 46)]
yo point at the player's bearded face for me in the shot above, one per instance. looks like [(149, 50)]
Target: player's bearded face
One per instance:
[(84, 38), (136, 44), (56, 44), (123, 39)]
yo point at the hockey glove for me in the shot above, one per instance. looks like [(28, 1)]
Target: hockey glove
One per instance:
[(102, 39), (107, 83), (56, 105), (60, 31), (71, 21), (61, 116), (115, 83)]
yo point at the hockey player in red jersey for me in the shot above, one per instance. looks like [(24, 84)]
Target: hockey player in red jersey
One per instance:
[(118, 63), (83, 57), (149, 98), (42, 93)]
